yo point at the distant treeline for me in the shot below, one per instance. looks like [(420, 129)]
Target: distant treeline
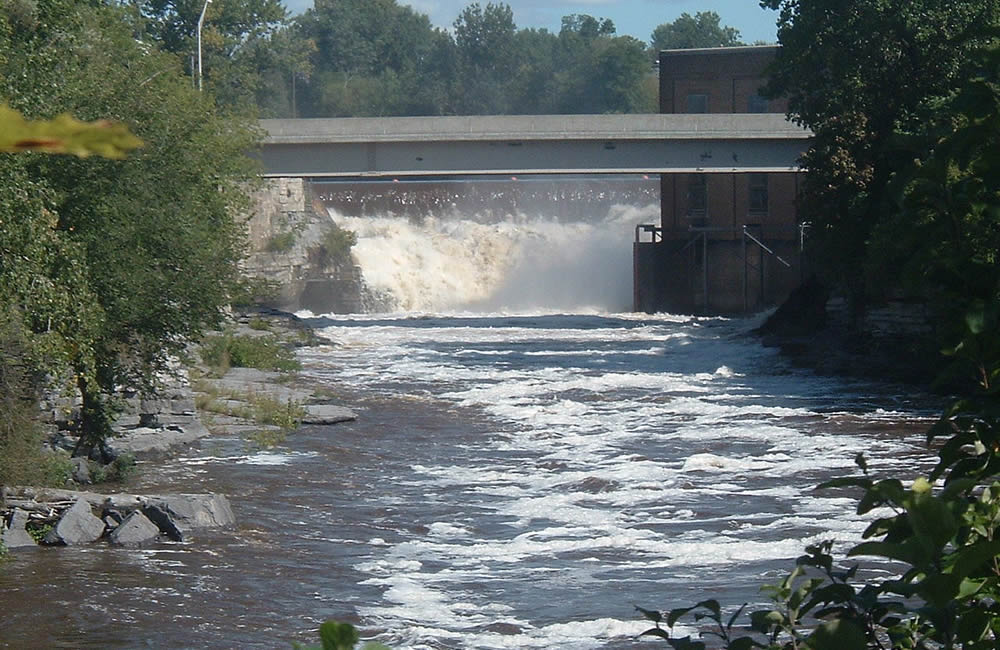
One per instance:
[(377, 58)]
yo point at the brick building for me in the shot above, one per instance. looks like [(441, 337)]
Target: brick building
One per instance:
[(726, 242)]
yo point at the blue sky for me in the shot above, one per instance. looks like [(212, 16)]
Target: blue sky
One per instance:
[(634, 17)]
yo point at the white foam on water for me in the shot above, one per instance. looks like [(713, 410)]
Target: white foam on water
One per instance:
[(609, 446)]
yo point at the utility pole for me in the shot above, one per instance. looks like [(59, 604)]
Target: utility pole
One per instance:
[(201, 21)]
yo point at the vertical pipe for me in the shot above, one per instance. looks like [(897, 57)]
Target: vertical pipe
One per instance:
[(762, 260), (704, 269), (746, 278)]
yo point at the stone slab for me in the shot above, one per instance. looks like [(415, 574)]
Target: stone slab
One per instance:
[(327, 414)]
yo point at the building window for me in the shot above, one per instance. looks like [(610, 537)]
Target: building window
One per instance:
[(697, 195), (758, 194), (758, 104), (697, 103)]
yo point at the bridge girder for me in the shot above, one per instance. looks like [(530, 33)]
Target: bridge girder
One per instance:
[(552, 144)]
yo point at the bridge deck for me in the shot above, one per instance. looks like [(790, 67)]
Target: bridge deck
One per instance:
[(519, 144)]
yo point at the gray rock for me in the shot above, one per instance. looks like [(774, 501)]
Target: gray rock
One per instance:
[(327, 414), (145, 440), (135, 530), (17, 536), (81, 470), (117, 503), (164, 523), (176, 514), (78, 525)]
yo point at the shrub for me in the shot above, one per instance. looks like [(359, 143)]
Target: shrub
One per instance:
[(260, 324), (23, 460), (284, 415), (335, 247), (252, 291), (262, 352), (119, 470), (281, 242)]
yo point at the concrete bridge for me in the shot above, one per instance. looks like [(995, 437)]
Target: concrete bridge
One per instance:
[(529, 144)]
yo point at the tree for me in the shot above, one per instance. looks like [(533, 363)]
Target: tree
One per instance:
[(704, 29), (236, 37), (859, 95), (374, 58), (117, 264), (484, 39), (286, 62), (598, 72), (941, 239)]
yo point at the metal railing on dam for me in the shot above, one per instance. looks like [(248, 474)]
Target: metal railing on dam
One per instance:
[(527, 144)]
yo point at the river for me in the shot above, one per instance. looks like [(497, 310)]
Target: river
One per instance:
[(521, 474)]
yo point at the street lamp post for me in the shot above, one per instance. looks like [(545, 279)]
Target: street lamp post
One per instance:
[(201, 21)]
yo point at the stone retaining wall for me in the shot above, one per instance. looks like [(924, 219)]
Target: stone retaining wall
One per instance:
[(284, 213)]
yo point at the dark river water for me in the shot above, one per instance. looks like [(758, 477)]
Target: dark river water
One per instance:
[(512, 482)]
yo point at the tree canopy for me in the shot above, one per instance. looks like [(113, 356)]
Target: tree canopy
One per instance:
[(115, 264), (383, 58), (868, 78), (704, 29)]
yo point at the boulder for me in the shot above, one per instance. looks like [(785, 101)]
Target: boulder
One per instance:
[(81, 470), (178, 513), (16, 535), (135, 530), (78, 525), (327, 414)]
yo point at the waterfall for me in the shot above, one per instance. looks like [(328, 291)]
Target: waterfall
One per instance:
[(500, 255)]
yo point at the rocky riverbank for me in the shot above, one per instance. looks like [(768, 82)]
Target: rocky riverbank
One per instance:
[(199, 400), (893, 342)]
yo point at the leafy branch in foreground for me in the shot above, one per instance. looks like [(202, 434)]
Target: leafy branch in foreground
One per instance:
[(64, 134), (942, 543), (339, 636)]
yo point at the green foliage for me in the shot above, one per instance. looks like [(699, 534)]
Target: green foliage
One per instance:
[(238, 47), (942, 540), (863, 97), (54, 470), (373, 57), (266, 352), (22, 458), (941, 241), (38, 530), (115, 265), (704, 29), (334, 248), (339, 636), (259, 324), (285, 415), (380, 58), (64, 134), (281, 242), (267, 438), (260, 408), (120, 470)]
